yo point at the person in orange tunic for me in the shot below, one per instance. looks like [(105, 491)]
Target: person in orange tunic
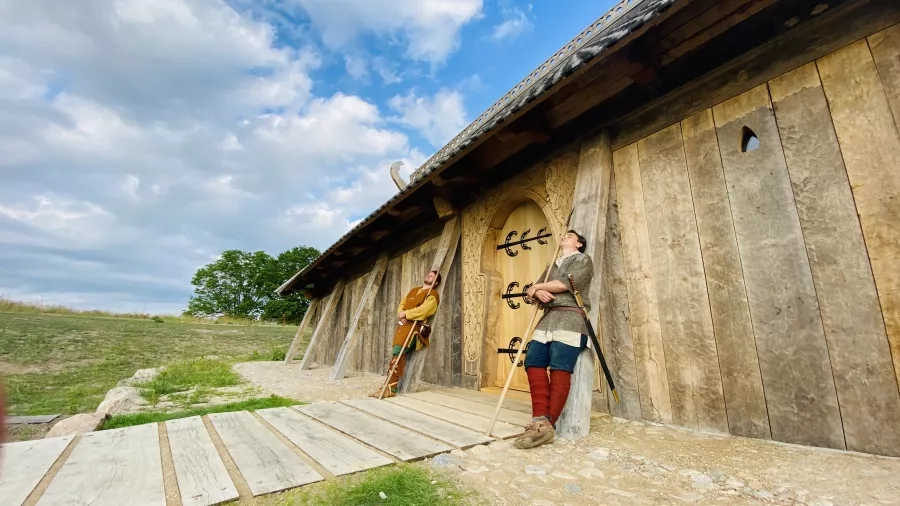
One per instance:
[(419, 304)]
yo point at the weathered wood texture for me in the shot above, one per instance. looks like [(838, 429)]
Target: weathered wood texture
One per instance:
[(735, 342), (437, 358), (695, 384), (23, 465), (476, 408), (650, 356), (308, 317), (871, 149), (264, 461), (575, 419), (201, 474), (793, 356), (324, 321), (618, 344), (332, 450), (885, 47), (428, 425), (476, 423), (108, 465), (402, 443), (360, 319), (854, 328)]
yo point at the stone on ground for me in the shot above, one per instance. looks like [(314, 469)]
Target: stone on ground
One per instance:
[(78, 424)]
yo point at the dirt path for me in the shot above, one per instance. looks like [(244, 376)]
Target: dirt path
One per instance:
[(623, 462)]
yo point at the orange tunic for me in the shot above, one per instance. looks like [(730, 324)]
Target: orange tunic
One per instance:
[(415, 298)]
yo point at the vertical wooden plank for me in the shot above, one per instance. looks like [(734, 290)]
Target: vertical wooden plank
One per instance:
[(885, 47), (793, 356), (871, 148), (735, 342), (857, 343), (695, 383), (298, 337), (648, 347), (455, 362), (363, 308), (616, 332), (201, 474), (109, 465), (324, 321), (24, 464)]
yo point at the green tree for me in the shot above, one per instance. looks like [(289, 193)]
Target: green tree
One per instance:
[(243, 284)]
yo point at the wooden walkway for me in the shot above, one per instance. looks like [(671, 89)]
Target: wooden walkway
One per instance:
[(224, 456)]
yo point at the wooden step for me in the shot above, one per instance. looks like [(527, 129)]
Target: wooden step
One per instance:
[(201, 474), (428, 425), (476, 408), (479, 424), (334, 451), (24, 464), (402, 443)]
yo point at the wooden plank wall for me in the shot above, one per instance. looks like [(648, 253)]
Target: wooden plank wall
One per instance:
[(757, 290), (443, 365)]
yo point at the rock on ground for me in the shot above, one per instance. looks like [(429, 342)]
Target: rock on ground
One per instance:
[(78, 424), (121, 400), (141, 376)]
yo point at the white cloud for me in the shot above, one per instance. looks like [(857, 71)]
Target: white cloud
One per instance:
[(141, 137), (438, 118), (429, 29), (356, 67), (515, 22)]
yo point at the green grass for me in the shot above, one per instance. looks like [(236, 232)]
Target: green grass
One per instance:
[(403, 484), (63, 363), (119, 421), (187, 374)]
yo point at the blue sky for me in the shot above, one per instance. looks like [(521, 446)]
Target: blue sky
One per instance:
[(141, 138)]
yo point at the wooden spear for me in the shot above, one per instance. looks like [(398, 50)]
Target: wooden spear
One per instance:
[(528, 331)]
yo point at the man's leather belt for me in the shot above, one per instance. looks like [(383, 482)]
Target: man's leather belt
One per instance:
[(566, 308)]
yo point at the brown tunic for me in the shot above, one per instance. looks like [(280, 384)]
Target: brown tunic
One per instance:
[(415, 298)]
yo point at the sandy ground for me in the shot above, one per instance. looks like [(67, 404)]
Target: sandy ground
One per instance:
[(626, 462), (312, 384)]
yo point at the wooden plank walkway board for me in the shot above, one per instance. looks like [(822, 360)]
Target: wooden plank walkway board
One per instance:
[(401, 443), (27, 420), (335, 452), (110, 465), (24, 464), (486, 398), (477, 423), (201, 474), (437, 429), (264, 461), (474, 407)]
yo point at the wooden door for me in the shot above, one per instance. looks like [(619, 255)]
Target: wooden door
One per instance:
[(520, 265)]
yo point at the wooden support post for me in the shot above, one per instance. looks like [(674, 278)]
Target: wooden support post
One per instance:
[(295, 344), (365, 307), (589, 219), (330, 306), (443, 259), (443, 208)]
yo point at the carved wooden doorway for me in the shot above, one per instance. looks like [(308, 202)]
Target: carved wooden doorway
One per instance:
[(529, 244)]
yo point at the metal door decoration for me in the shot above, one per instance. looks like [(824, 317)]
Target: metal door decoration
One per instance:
[(509, 296), (523, 240), (513, 349)]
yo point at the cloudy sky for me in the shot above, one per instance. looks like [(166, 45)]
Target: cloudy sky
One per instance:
[(140, 138)]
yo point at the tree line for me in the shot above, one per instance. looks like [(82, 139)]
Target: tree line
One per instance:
[(241, 284)]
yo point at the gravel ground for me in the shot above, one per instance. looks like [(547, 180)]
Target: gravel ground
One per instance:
[(312, 384), (625, 462)]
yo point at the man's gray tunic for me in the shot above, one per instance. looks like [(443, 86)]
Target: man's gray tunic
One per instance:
[(580, 266)]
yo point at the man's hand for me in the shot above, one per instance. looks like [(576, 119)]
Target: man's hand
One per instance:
[(544, 296), (531, 290), (403, 321), (401, 315)]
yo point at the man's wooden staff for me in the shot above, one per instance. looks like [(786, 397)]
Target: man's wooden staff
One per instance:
[(528, 332), (405, 344)]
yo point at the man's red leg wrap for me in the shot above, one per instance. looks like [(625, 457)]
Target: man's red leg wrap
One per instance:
[(560, 381), (539, 384)]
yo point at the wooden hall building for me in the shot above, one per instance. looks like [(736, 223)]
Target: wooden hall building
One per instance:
[(735, 168)]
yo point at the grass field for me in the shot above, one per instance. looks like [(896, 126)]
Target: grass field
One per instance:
[(65, 363)]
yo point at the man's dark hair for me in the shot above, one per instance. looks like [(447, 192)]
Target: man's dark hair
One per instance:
[(437, 278), (581, 239)]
